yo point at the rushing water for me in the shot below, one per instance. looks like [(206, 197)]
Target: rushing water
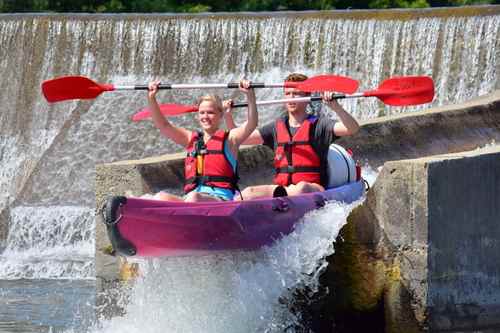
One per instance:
[(48, 152), (235, 292), (232, 292), (49, 243)]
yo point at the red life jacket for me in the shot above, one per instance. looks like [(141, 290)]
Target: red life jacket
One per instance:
[(295, 159), (217, 170)]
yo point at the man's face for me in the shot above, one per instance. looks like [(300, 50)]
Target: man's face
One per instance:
[(295, 107)]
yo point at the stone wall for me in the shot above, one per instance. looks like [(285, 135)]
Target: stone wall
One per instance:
[(426, 245)]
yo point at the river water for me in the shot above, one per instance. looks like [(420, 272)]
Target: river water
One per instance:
[(40, 305), (48, 152), (232, 292)]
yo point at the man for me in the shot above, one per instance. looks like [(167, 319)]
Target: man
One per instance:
[(300, 143)]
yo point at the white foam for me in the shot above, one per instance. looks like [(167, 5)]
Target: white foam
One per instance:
[(369, 174), (239, 292), (49, 242)]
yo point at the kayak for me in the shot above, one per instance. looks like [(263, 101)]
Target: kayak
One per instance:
[(154, 228)]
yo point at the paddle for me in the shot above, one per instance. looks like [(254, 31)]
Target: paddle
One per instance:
[(80, 87), (396, 91)]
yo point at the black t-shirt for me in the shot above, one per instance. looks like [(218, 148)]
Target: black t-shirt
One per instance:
[(322, 137)]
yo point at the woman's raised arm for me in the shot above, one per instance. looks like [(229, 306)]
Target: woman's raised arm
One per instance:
[(177, 134)]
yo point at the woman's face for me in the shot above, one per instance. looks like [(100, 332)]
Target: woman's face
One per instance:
[(209, 116)]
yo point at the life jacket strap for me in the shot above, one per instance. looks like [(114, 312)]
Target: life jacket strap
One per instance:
[(202, 180)]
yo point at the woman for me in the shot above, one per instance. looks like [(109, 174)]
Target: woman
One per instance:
[(211, 162)]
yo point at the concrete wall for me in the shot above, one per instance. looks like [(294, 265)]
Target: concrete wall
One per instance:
[(426, 242), (463, 233)]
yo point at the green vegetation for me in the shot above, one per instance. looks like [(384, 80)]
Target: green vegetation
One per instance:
[(162, 6)]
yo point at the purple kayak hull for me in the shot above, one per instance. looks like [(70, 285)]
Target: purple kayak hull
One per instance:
[(152, 228)]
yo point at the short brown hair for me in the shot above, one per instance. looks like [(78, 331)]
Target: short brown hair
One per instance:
[(296, 77)]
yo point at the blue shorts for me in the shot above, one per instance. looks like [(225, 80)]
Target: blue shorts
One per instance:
[(221, 193)]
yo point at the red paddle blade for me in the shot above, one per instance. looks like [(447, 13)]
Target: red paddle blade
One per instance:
[(166, 110), (323, 83), (405, 90), (72, 87)]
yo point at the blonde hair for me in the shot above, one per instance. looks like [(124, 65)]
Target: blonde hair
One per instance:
[(211, 98)]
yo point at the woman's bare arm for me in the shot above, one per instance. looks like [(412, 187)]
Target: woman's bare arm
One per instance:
[(238, 135), (177, 134)]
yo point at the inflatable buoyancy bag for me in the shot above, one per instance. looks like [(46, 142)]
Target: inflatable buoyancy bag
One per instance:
[(342, 168)]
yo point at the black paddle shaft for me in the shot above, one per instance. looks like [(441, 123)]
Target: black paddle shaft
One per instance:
[(311, 99), (232, 85)]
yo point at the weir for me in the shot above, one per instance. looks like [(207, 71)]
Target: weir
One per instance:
[(408, 249), (49, 152)]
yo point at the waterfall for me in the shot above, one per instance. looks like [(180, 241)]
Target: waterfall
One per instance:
[(48, 152), (49, 243)]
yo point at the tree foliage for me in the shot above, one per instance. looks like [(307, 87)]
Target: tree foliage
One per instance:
[(162, 6)]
